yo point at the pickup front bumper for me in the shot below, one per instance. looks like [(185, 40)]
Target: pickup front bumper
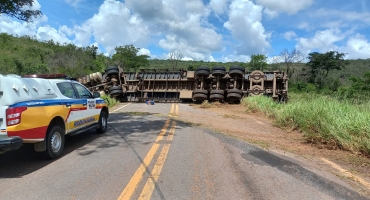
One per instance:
[(10, 143)]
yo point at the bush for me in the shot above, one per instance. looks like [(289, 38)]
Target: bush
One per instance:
[(109, 101)]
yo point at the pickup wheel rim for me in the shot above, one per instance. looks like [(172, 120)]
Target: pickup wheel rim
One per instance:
[(103, 122), (56, 142)]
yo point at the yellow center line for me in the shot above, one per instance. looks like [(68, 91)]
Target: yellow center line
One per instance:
[(152, 180), (136, 178), (177, 110), (171, 112)]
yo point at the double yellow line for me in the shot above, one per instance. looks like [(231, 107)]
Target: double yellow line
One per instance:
[(176, 113), (154, 175)]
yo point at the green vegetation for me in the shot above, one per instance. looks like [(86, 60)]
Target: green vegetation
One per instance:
[(322, 119), (16, 9), (109, 100)]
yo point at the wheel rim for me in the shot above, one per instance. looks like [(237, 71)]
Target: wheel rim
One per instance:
[(103, 122), (56, 142)]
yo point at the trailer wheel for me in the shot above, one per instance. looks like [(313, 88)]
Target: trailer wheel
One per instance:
[(202, 73), (216, 97), (112, 71), (219, 68), (236, 72), (111, 67), (234, 96), (115, 88), (220, 92), (218, 73), (203, 68), (199, 97), (237, 68), (115, 92), (200, 91), (54, 142), (237, 91)]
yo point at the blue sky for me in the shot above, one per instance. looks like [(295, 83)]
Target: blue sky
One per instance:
[(209, 30)]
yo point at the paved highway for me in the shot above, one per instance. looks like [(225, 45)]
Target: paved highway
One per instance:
[(148, 153)]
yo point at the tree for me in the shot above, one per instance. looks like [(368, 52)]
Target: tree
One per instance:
[(175, 56), (291, 58), (127, 57), (258, 62), (321, 64), (18, 9)]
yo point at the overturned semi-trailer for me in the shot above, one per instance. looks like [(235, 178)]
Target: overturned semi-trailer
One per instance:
[(216, 84)]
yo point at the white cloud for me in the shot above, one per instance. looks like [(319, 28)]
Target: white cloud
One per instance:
[(287, 6), (74, 3), (324, 40), (187, 59), (289, 35), (219, 6), (270, 13), (181, 27), (46, 33), (113, 26), (357, 47), (245, 25), (143, 51), (234, 57)]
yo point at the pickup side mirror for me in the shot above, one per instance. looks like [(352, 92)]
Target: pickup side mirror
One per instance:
[(96, 94)]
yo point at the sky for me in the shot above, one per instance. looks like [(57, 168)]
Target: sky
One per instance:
[(208, 30)]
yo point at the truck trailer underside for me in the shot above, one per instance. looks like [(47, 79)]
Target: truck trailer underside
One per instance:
[(182, 85)]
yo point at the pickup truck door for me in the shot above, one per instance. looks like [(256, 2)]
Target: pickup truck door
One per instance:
[(90, 112), (74, 106)]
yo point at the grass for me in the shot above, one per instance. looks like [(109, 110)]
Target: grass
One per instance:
[(207, 104), (109, 101), (323, 120)]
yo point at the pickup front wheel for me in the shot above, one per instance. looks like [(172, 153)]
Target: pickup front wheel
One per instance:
[(54, 142), (103, 123)]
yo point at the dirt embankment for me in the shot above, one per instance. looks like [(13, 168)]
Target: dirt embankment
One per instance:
[(255, 128)]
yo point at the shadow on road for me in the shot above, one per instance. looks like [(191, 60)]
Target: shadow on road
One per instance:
[(18, 163)]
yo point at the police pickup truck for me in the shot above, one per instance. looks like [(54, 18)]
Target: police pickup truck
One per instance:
[(42, 109)]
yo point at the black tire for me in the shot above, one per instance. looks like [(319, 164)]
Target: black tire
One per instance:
[(221, 68), (103, 123), (235, 72), (218, 73), (237, 68), (234, 96), (200, 91), (112, 71), (220, 92), (115, 88), (216, 97), (237, 91), (203, 68), (111, 67), (115, 92), (54, 142), (202, 73), (199, 96)]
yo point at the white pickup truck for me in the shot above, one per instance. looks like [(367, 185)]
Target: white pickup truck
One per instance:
[(42, 110)]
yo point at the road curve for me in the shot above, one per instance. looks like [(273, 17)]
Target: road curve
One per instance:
[(148, 153)]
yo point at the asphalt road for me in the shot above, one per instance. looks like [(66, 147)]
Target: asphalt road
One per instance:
[(148, 153)]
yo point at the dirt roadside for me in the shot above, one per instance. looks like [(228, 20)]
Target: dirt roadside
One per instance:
[(255, 128)]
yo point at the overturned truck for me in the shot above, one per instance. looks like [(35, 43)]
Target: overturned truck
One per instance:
[(216, 84)]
